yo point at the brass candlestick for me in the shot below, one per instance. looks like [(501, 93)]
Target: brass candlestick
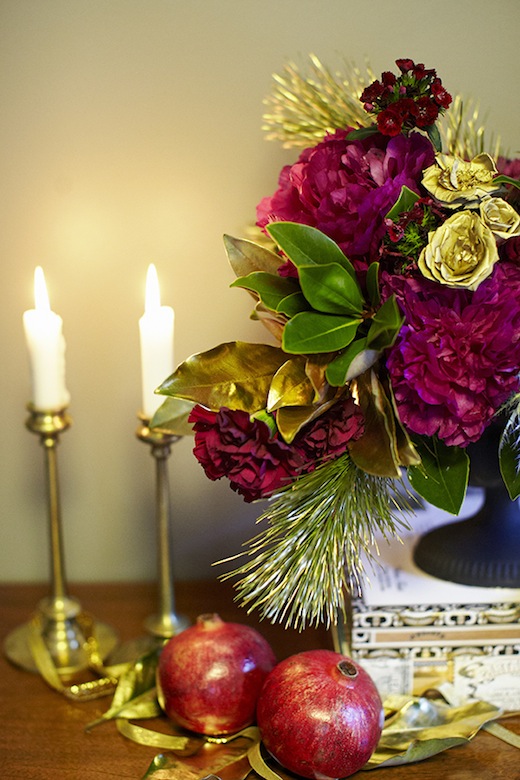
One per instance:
[(165, 623), (59, 614)]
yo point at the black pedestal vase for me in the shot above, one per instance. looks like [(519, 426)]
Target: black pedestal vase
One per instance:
[(484, 549)]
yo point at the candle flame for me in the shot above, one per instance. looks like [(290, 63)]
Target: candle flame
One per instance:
[(41, 297), (153, 297)]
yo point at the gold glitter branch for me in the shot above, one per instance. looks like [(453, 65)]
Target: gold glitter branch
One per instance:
[(301, 109)]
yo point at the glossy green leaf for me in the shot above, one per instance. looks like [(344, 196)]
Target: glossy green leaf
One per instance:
[(442, 476), (386, 324), (355, 360), (236, 374), (306, 245), (172, 417), (292, 304), (372, 282), (310, 332), (404, 202), (509, 457), (331, 289), (270, 289), (245, 257)]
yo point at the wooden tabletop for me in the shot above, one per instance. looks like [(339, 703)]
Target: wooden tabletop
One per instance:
[(42, 733)]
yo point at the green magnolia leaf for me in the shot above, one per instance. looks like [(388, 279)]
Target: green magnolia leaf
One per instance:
[(310, 333), (404, 202), (355, 360), (172, 417), (270, 289), (386, 324), (245, 257), (135, 695), (442, 476), (372, 283), (509, 457), (306, 245), (236, 374), (331, 289), (292, 304)]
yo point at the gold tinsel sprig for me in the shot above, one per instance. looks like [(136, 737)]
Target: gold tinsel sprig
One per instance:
[(306, 104)]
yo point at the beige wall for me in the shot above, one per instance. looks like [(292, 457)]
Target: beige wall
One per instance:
[(129, 134)]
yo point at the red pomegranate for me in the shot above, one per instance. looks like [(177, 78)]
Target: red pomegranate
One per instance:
[(209, 676), (320, 715)]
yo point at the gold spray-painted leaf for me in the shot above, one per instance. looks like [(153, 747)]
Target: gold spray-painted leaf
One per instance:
[(274, 323), (135, 695), (245, 257), (236, 374), (291, 419), (172, 417), (290, 386), (376, 452)]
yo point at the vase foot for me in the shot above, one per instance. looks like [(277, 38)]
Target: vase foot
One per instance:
[(483, 550)]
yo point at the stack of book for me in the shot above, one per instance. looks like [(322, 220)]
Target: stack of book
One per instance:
[(419, 622)]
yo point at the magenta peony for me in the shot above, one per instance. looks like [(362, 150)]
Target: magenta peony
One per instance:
[(345, 188), (455, 361)]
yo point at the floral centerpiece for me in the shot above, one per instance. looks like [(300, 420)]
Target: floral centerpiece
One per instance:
[(387, 272)]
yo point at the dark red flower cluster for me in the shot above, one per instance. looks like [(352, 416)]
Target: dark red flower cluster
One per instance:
[(228, 443), (415, 98)]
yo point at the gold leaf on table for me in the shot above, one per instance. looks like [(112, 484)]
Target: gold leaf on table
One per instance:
[(236, 375), (135, 695), (245, 257), (228, 761), (421, 728)]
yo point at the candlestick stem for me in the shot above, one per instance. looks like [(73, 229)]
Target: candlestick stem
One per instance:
[(59, 613), (166, 623)]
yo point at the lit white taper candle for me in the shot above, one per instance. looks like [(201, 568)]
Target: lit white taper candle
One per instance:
[(46, 345), (156, 328)]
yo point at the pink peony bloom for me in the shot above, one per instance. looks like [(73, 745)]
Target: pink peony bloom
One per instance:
[(457, 358), (345, 188)]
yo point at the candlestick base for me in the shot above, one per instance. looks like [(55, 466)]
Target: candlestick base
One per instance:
[(63, 636)]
